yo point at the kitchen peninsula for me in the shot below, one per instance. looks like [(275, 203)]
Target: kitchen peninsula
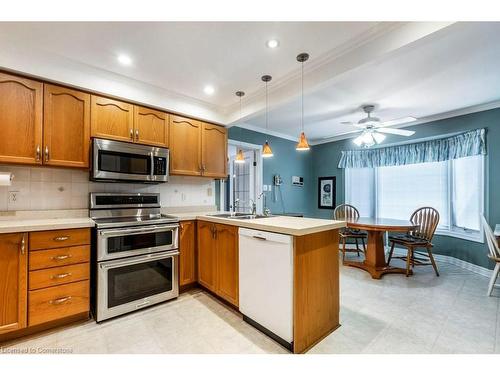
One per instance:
[(304, 250)]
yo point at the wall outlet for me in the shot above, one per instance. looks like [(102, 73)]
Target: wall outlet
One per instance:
[(269, 187), (13, 196), (264, 188)]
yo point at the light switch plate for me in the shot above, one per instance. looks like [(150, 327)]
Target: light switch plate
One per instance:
[(264, 188)]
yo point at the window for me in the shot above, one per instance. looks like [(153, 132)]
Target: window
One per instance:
[(455, 188)]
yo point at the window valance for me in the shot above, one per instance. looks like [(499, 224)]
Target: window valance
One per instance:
[(461, 145)]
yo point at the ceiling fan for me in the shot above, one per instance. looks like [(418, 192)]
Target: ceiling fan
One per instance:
[(373, 130)]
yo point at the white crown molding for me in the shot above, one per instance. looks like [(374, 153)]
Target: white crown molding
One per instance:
[(420, 121), (268, 132)]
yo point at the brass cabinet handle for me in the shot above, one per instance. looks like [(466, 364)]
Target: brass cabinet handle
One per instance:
[(131, 134), (61, 257), (61, 238), (46, 153), (23, 244), (137, 134), (60, 275), (38, 153), (59, 301)]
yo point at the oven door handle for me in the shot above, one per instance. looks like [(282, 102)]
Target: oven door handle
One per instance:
[(149, 229), (137, 260)]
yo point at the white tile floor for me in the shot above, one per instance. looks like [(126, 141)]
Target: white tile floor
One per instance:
[(420, 314)]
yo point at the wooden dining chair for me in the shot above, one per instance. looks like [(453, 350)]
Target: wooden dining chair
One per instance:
[(346, 212), (426, 219), (494, 254)]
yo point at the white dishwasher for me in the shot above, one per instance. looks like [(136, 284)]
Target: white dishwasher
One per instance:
[(266, 283)]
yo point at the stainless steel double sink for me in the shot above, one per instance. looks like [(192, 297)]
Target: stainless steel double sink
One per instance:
[(240, 216)]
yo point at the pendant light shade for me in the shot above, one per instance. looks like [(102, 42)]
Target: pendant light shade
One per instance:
[(267, 152), (302, 145), (240, 157)]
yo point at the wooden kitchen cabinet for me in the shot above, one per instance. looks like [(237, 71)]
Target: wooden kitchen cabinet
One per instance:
[(112, 119), (66, 127), (187, 249), (227, 263), (214, 151), (218, 259), (150, 127), (13, 281), (207, 255), (185, 146), (20, 120)]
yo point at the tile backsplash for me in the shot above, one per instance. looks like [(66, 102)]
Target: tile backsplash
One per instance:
[(41, 188)]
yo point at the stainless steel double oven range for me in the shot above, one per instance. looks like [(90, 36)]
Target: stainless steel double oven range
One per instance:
[(135, 253)]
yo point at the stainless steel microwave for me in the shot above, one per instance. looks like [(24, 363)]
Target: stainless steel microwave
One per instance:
[(122, 161)]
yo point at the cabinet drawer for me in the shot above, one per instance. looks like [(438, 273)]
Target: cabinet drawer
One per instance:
[(59, 238), (45, 305), (62, 256), (58, 275)]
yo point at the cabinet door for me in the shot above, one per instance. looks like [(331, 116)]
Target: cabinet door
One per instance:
[(187, 248), (13, 281), (214, 151), (20, 120), (112, 119), (150, 127), (227, 263), (66, 127), (206, 255), (185, 146)]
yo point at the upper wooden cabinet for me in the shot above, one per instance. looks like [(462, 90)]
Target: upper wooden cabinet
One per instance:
[(20, 120), (150, 126), (112, 119), (187, 249), (66, 131), (197, 149), (13, 281), (185, 146), (214, 151)]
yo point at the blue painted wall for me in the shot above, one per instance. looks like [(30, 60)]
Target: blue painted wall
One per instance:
[(325, 159), (286, 162)]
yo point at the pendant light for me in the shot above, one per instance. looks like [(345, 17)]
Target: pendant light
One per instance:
[(266, 149), (302, 145), (240, 158)]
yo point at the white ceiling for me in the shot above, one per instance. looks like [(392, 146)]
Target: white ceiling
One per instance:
[(452, 69), (185, 56), (418, 69)]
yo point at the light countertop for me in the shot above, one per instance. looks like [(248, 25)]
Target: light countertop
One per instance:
[(295, 226), (31, 221)]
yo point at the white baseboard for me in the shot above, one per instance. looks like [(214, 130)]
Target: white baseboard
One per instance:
[(441, 258)]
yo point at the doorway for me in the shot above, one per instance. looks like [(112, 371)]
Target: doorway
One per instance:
[(244, 183)]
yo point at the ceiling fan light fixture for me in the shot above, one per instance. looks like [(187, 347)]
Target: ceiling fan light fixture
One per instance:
[(267, 152), (302, 145)]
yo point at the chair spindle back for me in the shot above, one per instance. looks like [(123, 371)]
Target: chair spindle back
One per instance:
[(345, 212), (491, 239), (427, 219)]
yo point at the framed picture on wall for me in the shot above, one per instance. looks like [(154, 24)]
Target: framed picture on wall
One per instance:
[(326, 192)]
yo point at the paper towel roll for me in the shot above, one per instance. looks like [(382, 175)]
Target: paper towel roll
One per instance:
[(6, 178)]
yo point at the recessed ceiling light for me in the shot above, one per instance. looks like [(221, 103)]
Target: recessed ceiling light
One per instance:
[(273, 43), (209, 90), (124, 59)]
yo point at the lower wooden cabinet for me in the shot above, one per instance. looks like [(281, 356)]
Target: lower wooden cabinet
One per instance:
[(13, 281), (187, 249), (44, 277), (218, 259)]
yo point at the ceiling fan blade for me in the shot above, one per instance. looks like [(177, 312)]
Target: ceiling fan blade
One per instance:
[(397, 121), (406, 133)]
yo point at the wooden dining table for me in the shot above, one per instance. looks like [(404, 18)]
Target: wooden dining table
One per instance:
[(375, 262)]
